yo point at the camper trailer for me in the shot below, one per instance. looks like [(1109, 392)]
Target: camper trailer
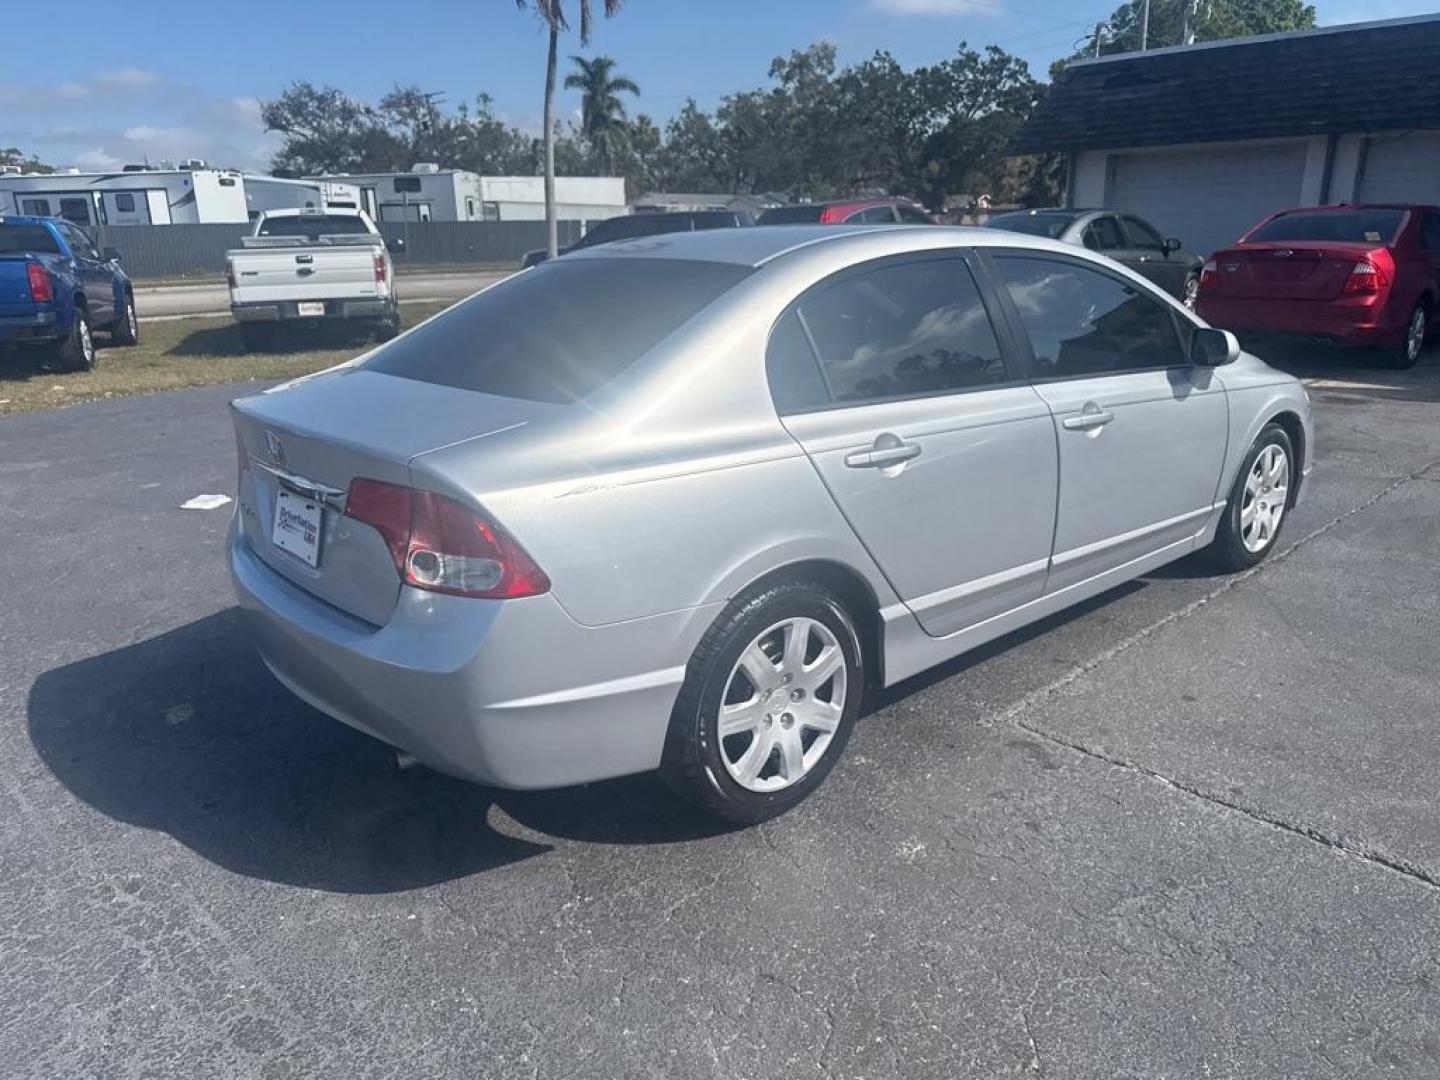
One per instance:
[(430, 193), (140, 195)]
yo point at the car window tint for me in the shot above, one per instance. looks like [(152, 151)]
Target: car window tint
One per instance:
[(1103, 234), (314, 226), (20, 238), (560, 331), (910, 216), (795, 380), (806, 214), (875, 215), (1141, 235), (1430, 232), (903, 330), (1363, 225), (1036, 224), (1084, 322)]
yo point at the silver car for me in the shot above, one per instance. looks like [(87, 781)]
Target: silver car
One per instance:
[(680, 503)]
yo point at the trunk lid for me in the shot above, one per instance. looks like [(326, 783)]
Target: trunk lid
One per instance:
[(311, 438), (1288, 270), (15, 286), (309, 272)]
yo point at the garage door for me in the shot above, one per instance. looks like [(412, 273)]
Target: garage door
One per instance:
[(1208, 198), (1404, 169)]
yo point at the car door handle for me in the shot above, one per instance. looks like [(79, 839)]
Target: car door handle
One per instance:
[(1087, 421), (884, 457)]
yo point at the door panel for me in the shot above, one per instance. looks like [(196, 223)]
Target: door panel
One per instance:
[(1141, 480), (890, 376), (962, 528)]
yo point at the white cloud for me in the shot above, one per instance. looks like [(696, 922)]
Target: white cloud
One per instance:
[(937, 7), (129, 76)]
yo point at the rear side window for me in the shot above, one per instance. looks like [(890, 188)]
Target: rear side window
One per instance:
[(795, 380), (1103, 234), (902, 330), (808, 214), (1359, 226), (875, 215), (1083, 322), (1048, 225), (18, 238), (559, 332)]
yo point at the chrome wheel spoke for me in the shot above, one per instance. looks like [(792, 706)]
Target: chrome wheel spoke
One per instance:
[(758, 667), (829, 661), (797, 643), (822, 716), (747, 770), (741, 717), (792, 755)]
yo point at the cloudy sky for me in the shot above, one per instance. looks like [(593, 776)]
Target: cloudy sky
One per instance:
[(178, 80)]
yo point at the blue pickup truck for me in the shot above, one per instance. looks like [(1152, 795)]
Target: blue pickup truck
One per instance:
[(56, 290)]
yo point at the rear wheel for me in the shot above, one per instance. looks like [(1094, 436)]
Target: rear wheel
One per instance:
[(1258, 502), (1191, 291), (769, 700), (126, 330), (389, 326), (1407, 355), (77, 351)]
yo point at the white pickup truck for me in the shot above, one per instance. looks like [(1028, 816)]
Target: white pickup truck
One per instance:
[(301, 267)]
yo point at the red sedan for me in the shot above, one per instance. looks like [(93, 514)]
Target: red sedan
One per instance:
[(1350, 275)]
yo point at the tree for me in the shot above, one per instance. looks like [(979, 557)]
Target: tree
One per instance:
[(1211, 20), (13, 155), (552, 14), (603, 120), (327, 131)]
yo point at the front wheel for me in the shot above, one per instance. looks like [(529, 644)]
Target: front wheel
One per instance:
[(126, 330), (768, 703), (1191, 291), (1258, 502)]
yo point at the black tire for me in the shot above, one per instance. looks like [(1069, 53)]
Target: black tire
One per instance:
[(258, 336), (388, 327), (77, 351), (1407, 354), (1190, 290), (692, 764), (126, 330), (1228, 552)]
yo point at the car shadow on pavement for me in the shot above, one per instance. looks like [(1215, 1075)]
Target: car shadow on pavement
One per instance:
[(223, 339), (1339, 372), (189, 734)]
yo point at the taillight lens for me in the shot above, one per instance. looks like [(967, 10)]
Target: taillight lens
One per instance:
[(1365, 277), (441, 546), (1209, 274), (41, 291), (379, 269)]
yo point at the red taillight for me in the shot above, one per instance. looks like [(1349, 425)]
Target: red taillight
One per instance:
[(379, 269), (442, 546), (1208, 274), (1365, 277), (830, 216), (41, 291)]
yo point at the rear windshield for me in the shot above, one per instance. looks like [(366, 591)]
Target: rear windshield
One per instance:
[(1049, 225), (314, 226), (559, 332), (36, 238), (1340, 226), (792, 215)]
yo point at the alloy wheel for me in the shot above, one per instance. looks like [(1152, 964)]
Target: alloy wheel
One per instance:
[(782, 704), (1415, 335), (1267, 491), (87, 344)]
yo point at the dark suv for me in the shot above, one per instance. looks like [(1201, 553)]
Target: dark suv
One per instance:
[(634, 226)]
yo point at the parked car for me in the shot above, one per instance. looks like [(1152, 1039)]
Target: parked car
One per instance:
[(56, 290), (1365, 276), (848, 212), (633, 226), (306, 267), (731, 482), (1127, 238)]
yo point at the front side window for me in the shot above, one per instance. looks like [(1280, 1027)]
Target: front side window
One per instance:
[(1103, 234), (1084, 322), (903, 330), (910, 216), (1142, 235), (875, 215)]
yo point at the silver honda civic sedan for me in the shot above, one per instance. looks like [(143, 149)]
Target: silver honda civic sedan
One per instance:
[(680, 503)]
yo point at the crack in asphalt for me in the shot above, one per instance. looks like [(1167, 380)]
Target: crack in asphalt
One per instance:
[(1014, 714)]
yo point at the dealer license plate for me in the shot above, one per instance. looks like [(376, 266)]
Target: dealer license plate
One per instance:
[(310, 307), (297, 526)]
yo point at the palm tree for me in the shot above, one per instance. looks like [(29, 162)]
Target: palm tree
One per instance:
[(602, 113), (552, 14)]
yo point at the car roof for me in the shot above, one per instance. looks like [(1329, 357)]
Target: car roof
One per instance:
[(765, 243), (1353, 206), (24, 219)]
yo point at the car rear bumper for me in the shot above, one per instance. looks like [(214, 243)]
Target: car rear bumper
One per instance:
[(1344, 322), (39, 326), (287, 310), (513, 693)]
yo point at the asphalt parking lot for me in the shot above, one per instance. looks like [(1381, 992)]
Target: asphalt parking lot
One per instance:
[(1187, 830)]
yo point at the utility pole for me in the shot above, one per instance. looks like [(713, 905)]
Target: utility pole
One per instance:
[(1099, 28), (1145, 26)]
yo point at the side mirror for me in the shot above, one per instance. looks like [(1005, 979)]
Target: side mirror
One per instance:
[(112, 255), (1211, 348), (1171, 245), (396, 246)]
